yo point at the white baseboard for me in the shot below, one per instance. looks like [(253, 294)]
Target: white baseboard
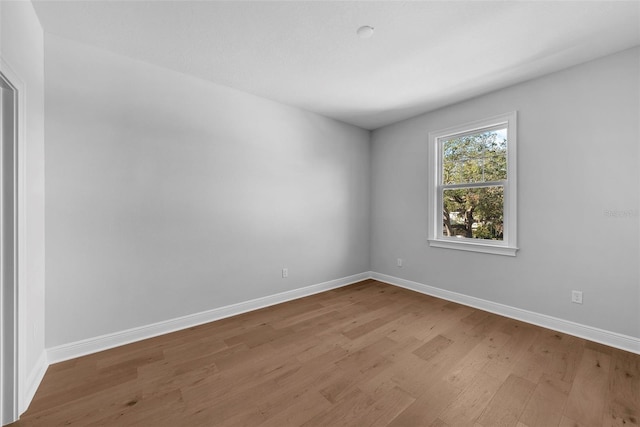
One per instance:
[(104, 342), (33, 382), (613, 339)]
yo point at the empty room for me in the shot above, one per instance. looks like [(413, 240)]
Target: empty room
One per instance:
[(320, 213)]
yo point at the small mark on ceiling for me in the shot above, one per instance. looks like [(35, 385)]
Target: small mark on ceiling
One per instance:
[(365, 32)]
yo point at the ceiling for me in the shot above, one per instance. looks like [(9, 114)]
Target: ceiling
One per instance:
[(423, 54)]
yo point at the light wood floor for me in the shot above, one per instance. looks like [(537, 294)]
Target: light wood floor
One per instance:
[(364, 355)]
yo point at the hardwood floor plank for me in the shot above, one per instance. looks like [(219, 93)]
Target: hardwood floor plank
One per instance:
[(297, 412), (467, 407), (522, 336), (590, 390), (553, 354), (356, 367), (568, 422), (144, 411), (387, 408), (546, 405), (508, 403), (81, 387), (463, 372), (424, 411), (347, 412), (433, 347), (623, 406)]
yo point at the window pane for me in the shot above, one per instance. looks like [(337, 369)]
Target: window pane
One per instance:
[(476, 213), (478, 157)]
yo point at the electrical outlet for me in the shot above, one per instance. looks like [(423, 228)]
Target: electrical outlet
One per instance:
[(285, 273), (576, 297), (399, 262)]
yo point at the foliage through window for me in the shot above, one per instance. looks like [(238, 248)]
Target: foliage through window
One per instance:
[(474, 212), (473, 189)]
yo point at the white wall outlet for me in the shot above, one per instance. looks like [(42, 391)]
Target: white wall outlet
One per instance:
[(399, 262), (576, 297), (285, 272)]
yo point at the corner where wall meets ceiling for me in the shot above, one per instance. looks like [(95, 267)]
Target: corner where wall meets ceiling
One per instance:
[(421, 56)]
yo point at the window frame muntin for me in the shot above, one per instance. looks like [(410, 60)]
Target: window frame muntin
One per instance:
[(508, 245)]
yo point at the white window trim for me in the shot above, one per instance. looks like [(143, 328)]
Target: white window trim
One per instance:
[(508, 246)]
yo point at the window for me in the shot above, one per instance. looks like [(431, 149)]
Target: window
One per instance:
[(473, 186)]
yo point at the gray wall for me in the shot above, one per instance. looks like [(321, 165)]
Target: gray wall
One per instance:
[(21, 46), (167, 195), (578, 149)]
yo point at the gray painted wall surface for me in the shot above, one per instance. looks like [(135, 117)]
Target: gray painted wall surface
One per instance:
[(168, 196), (578, 149)]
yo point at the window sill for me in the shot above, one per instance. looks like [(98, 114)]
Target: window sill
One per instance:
[(474, 247)]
